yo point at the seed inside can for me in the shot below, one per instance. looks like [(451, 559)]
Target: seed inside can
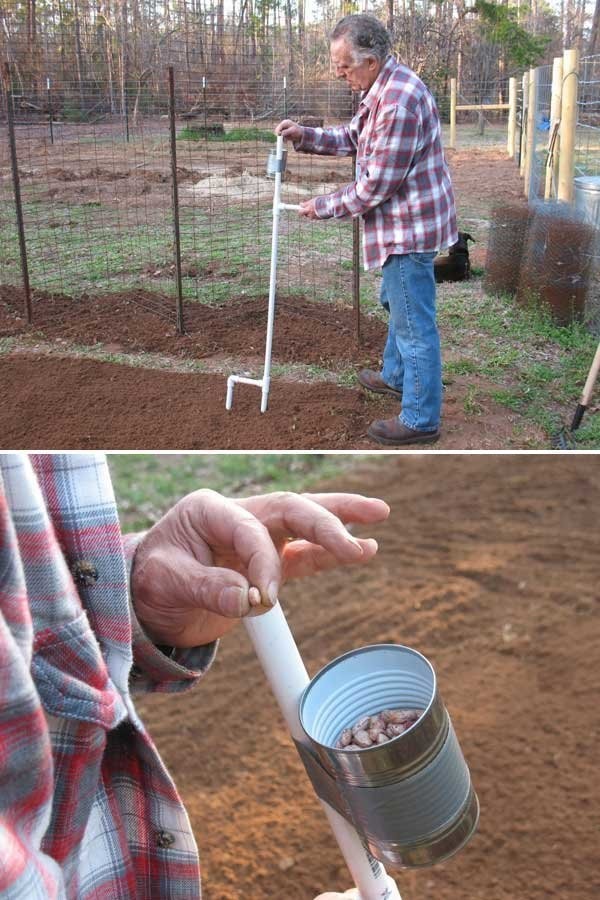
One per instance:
[(377, 728)]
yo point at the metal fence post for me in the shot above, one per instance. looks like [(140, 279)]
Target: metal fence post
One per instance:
[(356, 248), (568, 126), (50, 123), (176, 231), (17, 190)]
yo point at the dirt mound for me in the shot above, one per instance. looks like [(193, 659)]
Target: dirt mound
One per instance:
[(491, 570), (308, 332)]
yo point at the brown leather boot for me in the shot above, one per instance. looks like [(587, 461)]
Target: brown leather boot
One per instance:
[(374, 382), (394, 434)]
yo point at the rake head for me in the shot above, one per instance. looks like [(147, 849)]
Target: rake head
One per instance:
[(564, 440)]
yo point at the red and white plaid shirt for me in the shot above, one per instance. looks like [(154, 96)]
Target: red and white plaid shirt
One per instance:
[(402, 189), (87, 808)]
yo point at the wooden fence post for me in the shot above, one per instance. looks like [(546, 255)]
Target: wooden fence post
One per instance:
[(512, 117), (553, 139), (453, 113), (531, 109), (524, 123), (568, 126)]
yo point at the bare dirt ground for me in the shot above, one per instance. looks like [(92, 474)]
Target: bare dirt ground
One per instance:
[(490, 569), (54, 398), (70, 403)]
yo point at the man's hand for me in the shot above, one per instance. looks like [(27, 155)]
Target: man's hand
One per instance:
[(307, 208), (291, 131), (210, 561)]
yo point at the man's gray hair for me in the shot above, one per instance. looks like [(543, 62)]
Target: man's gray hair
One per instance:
[(366, 35)]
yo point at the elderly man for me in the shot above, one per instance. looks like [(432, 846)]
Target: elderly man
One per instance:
[(89, 619), (404, 194)]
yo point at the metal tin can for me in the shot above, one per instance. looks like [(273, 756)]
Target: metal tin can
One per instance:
[(275, 165), (411, 798)]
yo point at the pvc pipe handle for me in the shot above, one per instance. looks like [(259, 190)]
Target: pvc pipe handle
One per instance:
[(282, 664)]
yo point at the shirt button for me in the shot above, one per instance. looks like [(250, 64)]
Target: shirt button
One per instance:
[(164, 839), (84, 572)]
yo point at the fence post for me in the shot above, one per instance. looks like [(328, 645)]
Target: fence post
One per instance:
[(568, 126), (453, 113), (531, 111), (17, 188), (524, 117), (176, 232), (512, 117), (553, 140), (49, 97)]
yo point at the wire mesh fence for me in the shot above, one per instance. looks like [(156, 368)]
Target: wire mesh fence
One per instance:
[(481, 126), (587, 141), (541, 129), (97, 196)]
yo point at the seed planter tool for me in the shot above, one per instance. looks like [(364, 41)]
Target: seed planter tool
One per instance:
[(281, 662), (276, 167), (564, 440)]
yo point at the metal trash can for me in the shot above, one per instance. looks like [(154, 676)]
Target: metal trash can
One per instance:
[(587, 198), (411, 798)]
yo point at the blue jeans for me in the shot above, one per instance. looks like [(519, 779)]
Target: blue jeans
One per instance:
[(412, 359)]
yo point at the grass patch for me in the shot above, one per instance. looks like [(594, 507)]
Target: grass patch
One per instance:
[(147, 485), (471, 403), (202, 133), (461, 367)]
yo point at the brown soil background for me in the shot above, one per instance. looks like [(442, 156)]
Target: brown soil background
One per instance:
[(489, 566)]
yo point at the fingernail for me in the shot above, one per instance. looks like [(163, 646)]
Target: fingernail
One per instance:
[(254, 596), (272, 592), (354, 541), (232, 601)]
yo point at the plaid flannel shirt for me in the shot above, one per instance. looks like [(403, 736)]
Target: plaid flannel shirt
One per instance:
[(87, 808), (402, 189)]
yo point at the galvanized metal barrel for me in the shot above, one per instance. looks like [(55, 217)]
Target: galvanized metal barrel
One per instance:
[(411, 799), (587, 198)]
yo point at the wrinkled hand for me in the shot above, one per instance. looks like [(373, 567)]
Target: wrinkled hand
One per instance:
[(290, 130), (210, 561), (307, 208)]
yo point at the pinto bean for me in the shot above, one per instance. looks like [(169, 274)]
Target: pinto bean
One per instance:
[(377, 728)]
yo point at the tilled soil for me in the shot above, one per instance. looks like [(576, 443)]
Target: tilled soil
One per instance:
[(491, 569), (138, 321), (49, 402), (72, 403)]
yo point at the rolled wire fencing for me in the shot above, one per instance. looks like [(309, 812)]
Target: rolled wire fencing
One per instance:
[(102, 214)]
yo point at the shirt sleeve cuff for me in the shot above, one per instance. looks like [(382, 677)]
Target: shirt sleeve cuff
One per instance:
[(306, 142), (161, 669)]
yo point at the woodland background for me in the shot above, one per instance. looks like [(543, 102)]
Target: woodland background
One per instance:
[(100, 57)]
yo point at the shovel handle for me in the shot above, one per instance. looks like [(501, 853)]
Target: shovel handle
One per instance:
[(586, 396)]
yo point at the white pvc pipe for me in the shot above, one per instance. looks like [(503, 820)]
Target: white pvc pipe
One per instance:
[(281, 662), (265, 381), (272, 278)]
